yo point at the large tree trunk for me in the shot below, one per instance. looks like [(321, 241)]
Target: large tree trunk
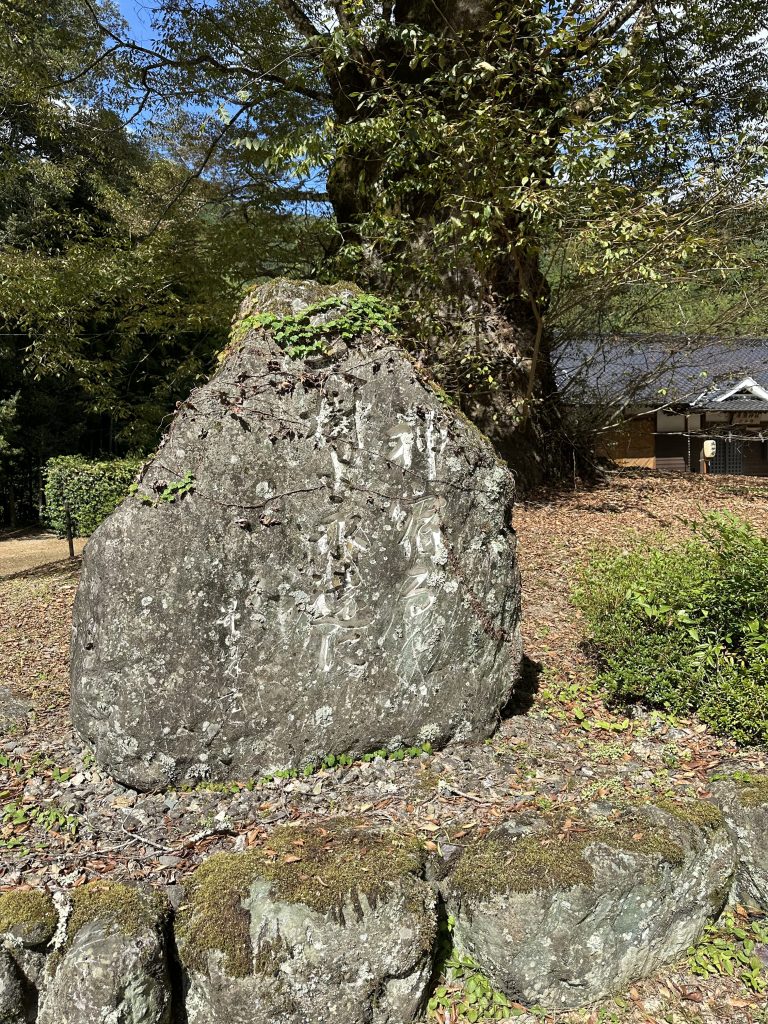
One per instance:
[(521, 414)]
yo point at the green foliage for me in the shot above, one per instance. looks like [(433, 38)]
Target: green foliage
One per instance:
[(729, 949), (121, 268), (331, 762), (467, 994), (686, 628), (92, 490), (48, 818), (310, 331), (580, 142), (463, 994)]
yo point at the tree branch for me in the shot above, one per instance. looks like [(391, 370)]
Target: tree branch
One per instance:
[(205, 59), (198, 171), (299, 19), (602, 29)]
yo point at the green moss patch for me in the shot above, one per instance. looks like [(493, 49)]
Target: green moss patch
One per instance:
[(556, 859), (318, 866), (213, 917), (29, 914), (131, 910), (753, 790), (700, 813)]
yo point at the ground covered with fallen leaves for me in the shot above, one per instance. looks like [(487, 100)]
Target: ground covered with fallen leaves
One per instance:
[(561, 748)]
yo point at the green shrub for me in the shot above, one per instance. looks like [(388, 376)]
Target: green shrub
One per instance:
[(93, 490), (686, 628)]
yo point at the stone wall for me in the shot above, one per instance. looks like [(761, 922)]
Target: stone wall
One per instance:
[(338, 922)]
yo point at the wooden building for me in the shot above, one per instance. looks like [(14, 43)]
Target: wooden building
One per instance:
[(661, 403)]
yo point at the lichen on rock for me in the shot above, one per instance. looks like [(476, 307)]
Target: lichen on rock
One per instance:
[(566, 912), (113, 964), (325, 867), (341, 575), (743, 800), (13, 1002)]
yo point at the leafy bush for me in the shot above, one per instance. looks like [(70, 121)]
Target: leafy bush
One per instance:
[(686, 628), (92, 489)]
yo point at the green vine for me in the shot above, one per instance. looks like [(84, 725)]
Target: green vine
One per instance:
[(170, 492), (728, 949), (299, 337), (463, 994)]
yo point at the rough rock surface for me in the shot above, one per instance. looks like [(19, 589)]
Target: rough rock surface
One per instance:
[(338, 575), (567, 916), (355, 946), (113, 967), (13, 712), (13, 1005), (367, 965), (745, 808)]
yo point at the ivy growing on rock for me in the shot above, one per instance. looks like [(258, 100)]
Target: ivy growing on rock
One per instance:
[(312, 330)]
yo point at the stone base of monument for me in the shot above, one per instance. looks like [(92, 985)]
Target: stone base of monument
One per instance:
[(339, 922)]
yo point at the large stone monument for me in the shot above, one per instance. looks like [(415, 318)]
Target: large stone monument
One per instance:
[(319, 559)]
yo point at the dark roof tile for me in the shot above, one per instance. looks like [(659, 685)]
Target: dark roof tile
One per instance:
[(657, 370)]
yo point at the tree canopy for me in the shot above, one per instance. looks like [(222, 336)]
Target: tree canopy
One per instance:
[(514, 171), (566, 164), (120, 270)]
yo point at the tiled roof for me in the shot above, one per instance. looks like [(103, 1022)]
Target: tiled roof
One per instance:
[(734, 405), (660, 370)]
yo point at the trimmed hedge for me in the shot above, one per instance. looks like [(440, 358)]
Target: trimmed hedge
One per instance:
[(686, 628), (93, 490)]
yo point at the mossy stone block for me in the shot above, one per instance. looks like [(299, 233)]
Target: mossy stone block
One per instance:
[(327, 922), (564, 912), (29, 915)]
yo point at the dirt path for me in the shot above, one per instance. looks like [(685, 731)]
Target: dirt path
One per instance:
[(28, 549)]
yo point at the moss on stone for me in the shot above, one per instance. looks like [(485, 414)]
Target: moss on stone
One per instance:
[(29, 914), (344, 855), (279, 295), (700, 813), (555, 859), (753, 790), (213, 917), (321, 867), (131, 910)]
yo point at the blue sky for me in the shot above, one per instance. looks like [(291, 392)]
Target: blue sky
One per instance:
[(138, 14)]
